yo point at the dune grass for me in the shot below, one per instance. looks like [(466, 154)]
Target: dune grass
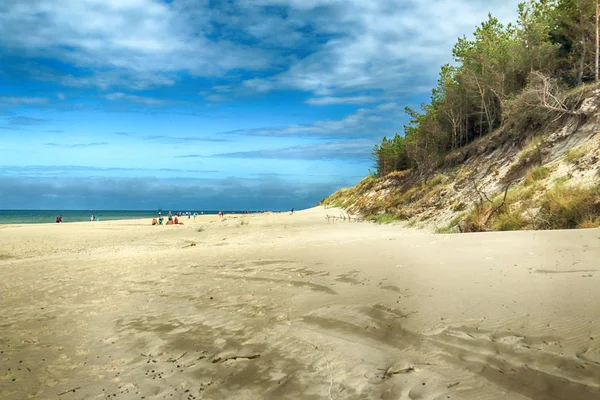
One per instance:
[(537, 174), (567, 207), (385, 218)]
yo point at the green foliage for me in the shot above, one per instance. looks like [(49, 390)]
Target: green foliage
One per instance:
[(391, 155), (385, 218), (484, 88)]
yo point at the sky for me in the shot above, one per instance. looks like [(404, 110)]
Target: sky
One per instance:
[(211, 104)]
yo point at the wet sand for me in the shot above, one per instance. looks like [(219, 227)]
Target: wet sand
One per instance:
[(281, 306)]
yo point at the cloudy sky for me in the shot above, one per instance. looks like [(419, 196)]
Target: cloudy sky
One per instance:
[(210, 104)]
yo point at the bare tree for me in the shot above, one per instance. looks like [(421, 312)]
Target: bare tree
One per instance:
[(545, 92)]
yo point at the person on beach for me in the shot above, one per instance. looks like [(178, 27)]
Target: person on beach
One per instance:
[(58, 219), (292, 210), (154, 221), (170, 216), (176, 221)]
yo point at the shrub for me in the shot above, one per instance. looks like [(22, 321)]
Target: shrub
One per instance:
[(475, 220)]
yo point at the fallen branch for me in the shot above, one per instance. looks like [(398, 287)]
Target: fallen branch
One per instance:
[(501, 204), (70, 391), (389, 372), (482, 195), (221, 359)]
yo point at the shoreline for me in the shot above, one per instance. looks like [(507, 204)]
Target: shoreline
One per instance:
[(182, 218)]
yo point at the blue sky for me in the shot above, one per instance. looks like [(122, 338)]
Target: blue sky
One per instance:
[(210, 104)]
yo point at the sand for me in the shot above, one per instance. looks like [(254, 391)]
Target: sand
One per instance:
[(280, 306)]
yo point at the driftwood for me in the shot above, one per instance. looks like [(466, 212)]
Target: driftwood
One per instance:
[(221, 359), (69, 391), (343, 217), (389, 372)]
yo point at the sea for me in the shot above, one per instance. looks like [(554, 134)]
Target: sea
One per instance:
[(49, 216)]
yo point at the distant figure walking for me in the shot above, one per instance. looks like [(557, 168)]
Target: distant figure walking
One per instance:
[(292, 210)]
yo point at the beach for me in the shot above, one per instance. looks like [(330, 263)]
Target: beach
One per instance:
[(282, 306)]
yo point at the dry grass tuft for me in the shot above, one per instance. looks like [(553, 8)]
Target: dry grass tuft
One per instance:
[(567, 207), (537, 174), (574, 155)]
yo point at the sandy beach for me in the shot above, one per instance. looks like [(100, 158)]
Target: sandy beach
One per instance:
[(280, 306)]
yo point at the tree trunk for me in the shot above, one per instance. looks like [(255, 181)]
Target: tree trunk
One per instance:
[(584, 49), (597, 44)]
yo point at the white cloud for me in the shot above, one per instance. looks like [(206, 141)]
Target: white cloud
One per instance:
[(149, 101), (16, 100), (382, 45), (324, 101), (120, 38), (365, 122), (357, 150), (331, 48)]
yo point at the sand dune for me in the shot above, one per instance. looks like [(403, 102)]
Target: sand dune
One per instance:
[(280, 306)]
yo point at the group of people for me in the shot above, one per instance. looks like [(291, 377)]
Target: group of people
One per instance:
[(59, 219), (94, 218), (171, 220)]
